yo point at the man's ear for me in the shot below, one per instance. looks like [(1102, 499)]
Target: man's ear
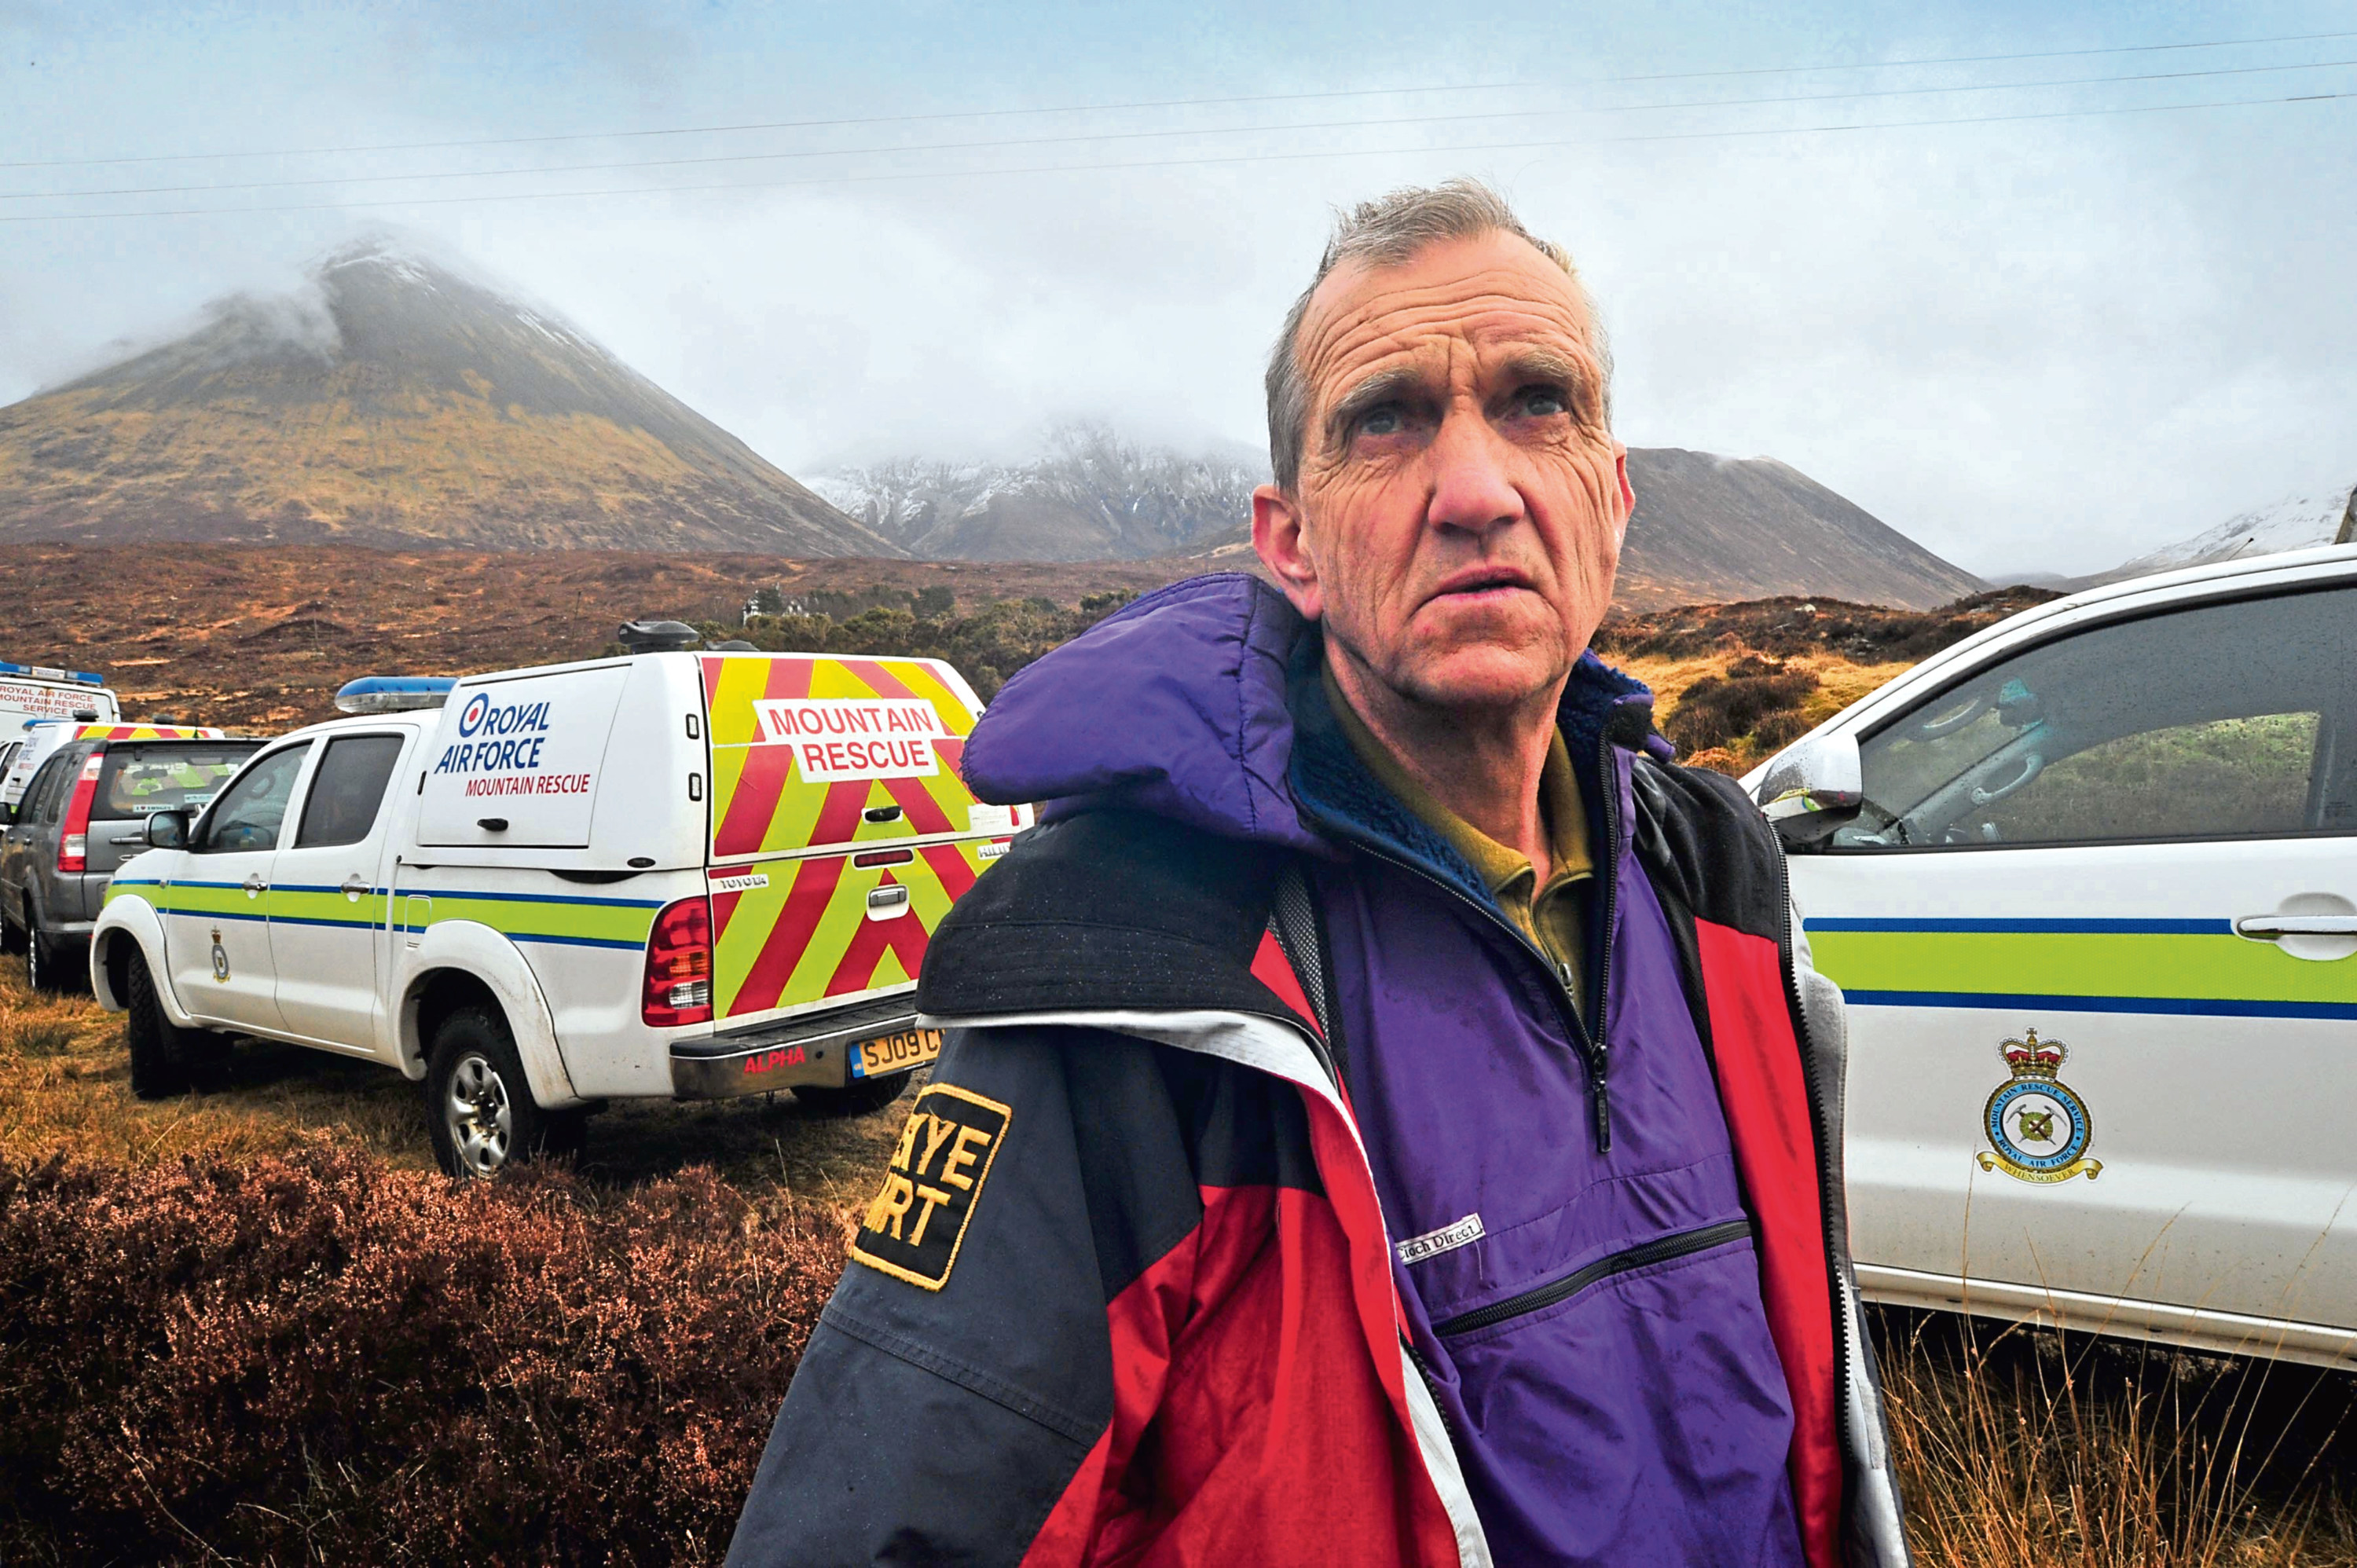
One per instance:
[(1627, 496), (1278, 538)]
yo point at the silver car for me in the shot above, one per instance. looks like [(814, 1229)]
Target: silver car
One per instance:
[(83, 815)]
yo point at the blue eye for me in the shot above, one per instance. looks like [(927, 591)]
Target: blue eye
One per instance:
[(1380, 422), (1540, 403)]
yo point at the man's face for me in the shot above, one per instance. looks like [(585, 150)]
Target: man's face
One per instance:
[(1458, 518)]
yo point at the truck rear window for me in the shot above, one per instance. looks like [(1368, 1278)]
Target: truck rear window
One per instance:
[(139, 779)]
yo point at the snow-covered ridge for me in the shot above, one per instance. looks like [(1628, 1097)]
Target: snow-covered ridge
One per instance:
[(1146, 500), (2311, 517)]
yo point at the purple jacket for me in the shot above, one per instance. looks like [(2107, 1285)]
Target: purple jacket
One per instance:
[(1615, 1322)]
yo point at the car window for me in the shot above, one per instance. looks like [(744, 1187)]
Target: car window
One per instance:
[(2223, 721), (45, 797), (348, 789), (248, 815), (139, 781)]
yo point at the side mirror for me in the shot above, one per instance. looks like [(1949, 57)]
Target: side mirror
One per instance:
[(1813, 788), (168, 829)]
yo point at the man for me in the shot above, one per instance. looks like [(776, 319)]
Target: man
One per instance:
[(1385, 1118)]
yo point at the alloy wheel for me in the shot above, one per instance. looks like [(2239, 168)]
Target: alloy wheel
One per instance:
[(477, 1113)]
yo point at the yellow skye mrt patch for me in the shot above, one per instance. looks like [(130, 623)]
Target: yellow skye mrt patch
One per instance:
[(913, 1228)]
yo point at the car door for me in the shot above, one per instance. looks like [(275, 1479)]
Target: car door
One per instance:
[(328, 894), (33, 833), (216, 911), (2094, 926)]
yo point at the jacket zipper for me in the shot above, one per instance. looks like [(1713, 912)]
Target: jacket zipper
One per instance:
[(1658, 1250), (1588, 1047), (1607, 780), (1788, 962)]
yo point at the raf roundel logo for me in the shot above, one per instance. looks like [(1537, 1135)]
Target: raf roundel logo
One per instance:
[(2037, 1125), (220, 959), (471, 718)]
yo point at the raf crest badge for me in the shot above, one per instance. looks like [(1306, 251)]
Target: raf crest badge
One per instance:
[(220, 959), (2037, 1124)]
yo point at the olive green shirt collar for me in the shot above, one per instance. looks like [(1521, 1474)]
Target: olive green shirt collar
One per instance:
[(1549, 919)]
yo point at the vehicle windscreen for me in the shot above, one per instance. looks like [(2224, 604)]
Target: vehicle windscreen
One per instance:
[(139, 781)]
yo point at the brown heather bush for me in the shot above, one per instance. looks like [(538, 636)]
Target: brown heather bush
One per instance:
[(1788, 626), (1756, 698), (313, 1356)]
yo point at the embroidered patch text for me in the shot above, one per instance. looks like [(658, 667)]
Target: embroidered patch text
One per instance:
[(914, 1226)]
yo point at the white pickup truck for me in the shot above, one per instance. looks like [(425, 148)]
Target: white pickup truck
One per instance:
[(674, 875), (2089, 880)]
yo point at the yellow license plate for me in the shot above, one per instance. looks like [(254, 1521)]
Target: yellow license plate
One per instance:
[(896, 1052)]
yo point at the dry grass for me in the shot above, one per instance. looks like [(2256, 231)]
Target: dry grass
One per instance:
[(65, 1085), (2028, 1449), (1839, 683)]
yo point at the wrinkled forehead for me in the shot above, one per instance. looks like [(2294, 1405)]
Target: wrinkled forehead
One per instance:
[(1452, 303)]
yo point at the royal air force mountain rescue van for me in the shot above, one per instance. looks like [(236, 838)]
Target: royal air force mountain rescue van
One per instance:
[(35, 700), (675, 874)]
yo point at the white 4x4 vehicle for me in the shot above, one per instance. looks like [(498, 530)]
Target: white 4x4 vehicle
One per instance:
[(675, 875), (2089, 880)]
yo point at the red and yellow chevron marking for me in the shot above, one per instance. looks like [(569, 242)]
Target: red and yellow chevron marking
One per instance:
[(806, 936), (761, 805), (145, 732)]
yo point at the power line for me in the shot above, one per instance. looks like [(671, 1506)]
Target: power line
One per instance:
[(1065, 140), (1178, 162), (1165, 103)]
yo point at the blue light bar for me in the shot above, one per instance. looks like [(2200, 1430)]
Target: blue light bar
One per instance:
[(394, 694), (44, 672)]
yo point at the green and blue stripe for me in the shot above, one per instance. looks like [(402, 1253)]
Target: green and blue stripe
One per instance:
[(550, 919), (2188, 968)]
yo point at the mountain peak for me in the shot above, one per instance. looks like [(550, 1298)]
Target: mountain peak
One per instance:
[(394, 400)]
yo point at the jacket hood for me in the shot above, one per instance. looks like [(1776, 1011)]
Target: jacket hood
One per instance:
[(1176, 706)]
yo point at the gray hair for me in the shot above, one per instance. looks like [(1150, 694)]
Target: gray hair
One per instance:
[(1388, 232)]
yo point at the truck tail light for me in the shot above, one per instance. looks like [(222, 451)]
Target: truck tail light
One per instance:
[(73, 844), (679, 966)]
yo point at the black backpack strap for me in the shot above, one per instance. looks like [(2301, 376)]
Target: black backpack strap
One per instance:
[(1295, 921)]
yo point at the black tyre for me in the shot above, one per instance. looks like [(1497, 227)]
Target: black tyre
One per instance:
[(860, 1097), (480, 1110), (12, 936), (166, 1059)]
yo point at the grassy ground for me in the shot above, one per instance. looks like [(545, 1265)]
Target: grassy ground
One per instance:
[(65, 1083), (2017, 1449)]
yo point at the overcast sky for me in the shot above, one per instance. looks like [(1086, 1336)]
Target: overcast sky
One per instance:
[(2042, 343)]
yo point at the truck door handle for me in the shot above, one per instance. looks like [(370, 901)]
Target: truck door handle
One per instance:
[(885, 903), (2268, 927), (354, 885), (254, 886)]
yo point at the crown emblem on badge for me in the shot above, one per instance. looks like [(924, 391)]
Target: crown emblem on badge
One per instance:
[(2033, 1058), (2036, 1126)]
